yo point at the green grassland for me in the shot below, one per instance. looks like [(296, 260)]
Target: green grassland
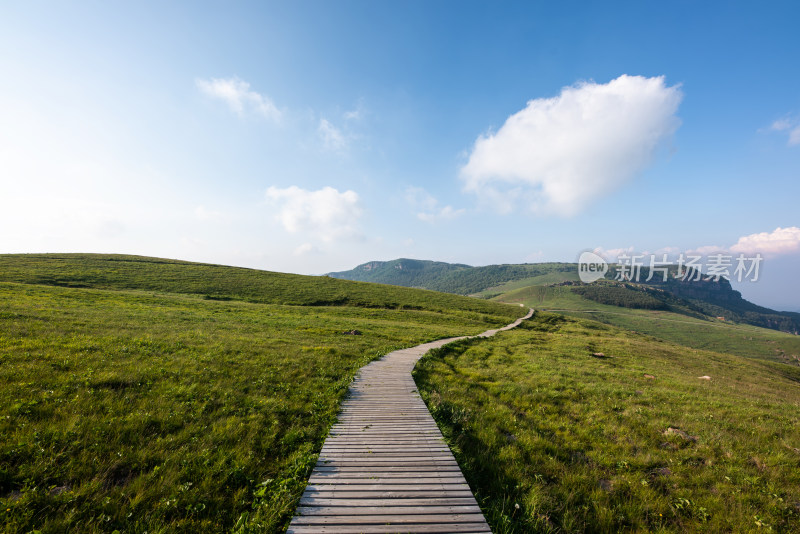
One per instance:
[(142, 395), (682, 326), (562, 426), (215, 282), (550, 278)]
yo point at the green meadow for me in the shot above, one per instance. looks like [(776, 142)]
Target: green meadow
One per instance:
[(141, 395), (571, 425), (148, 395), (691, 330)]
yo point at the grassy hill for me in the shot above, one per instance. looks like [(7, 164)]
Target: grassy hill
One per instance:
[(215, 282), (454, 278), (677, 322), (139, 394), (571, 425), (401, 272)]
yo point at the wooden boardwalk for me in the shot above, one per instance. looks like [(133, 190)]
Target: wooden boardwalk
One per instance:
[(385, 466)]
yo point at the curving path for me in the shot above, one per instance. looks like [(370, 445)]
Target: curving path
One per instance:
[(385, 466)]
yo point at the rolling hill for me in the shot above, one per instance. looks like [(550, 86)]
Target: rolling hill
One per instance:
[(452, 278), (141, 394)]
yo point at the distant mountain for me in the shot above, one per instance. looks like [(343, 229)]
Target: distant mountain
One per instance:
[(448, 277), (713, 298), (401, 272), (719, 299)]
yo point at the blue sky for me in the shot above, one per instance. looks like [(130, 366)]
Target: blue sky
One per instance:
[(313, 136)]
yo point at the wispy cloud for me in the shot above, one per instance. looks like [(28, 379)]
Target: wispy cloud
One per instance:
[(202, 213), (560, 154), (428, 208), (332, 137), (791, 127), (354, 114), (303, 249), (707, 250), (324, 214), (439, 214), (240, 98), (612, 254)]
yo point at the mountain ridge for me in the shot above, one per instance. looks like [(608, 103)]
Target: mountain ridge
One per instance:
[(714, 298)]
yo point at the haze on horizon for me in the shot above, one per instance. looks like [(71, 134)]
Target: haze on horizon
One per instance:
[(311, 137)]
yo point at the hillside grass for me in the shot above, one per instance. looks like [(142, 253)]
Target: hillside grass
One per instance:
[(555, 277), (555, 437), (688, 330), (216, 282), (137, 411)]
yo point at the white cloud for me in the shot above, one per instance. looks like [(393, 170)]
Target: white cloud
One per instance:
[(560, 154), (354, 114), (443, 213), (332, 137), (790, 125), (669, 251), (202, 213), (305, 248), (420, 199), (611, 255), (779, 242), (706, 250), (428, 208), (239, 97), (776, 243), (325, 214), (781, 124)]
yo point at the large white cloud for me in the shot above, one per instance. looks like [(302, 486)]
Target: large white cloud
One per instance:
[(559, 154), (776, 243), (239, 97), (325, 213)]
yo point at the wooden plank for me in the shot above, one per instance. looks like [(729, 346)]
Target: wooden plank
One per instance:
[(385, 486), (387, 494), (320, 481), (378, 461), (386, 469), (382, 519), (317, 480), (383, 474), (391, 510), (440, 501), (399, 456), (473, 528)]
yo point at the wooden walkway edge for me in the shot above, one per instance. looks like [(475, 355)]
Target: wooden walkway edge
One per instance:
[(385, 467)]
